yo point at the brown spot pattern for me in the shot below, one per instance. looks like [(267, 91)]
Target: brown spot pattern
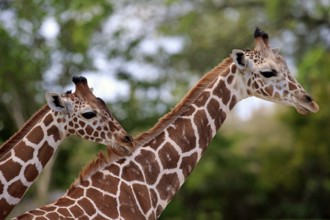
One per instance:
[(38, 212), (104, 203), (159, 210), (142, 195), (36, 135), (52, 215), (203, 127), (233, 70), (292, 86), (114, 169), (77, 211), (154, 144), (89, 130), (64, 211), (17, 189), (45, 153), (269, 90), (233, 102), (149, 164), (5, 206), (75, 194), (31, 172), (168, 185), (53, 131), (222, 117), (48, 120), (188, 163), (103, 183), (189, 110), (128, 208), (132, 172), (9, 169), (65, 202), (88, 206), (230, 79), (1, 188), (183, 133), (49, 208), (222, 92), (213, 108), (169, 156), (201, 100), (25, 153), (154, 197)]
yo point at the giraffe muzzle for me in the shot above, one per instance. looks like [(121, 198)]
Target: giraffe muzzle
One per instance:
[(125, 146), (306, 104)]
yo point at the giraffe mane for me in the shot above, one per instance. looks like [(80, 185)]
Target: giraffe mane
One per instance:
[(167, 119), (13, 140), (103, 159)]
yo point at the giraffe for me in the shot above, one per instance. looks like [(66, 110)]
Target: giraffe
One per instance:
[(27, 152), (141, 185)]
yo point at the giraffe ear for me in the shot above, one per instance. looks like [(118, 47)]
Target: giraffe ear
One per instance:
[(57, 103), (239, 59)]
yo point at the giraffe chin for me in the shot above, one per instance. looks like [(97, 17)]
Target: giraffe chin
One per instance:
[(307, 108), (121, 150)]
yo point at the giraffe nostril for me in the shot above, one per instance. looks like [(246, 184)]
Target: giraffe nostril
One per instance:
[(128, 139), (308, 98)]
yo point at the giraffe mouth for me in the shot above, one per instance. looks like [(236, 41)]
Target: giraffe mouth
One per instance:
[(124, 147), (307, 107), (122, 150)]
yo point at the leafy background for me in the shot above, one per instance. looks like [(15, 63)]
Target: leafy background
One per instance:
[(269, 163)]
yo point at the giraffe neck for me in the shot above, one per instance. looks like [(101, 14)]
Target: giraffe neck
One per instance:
[(140, 186), (178, 148), (28, 125), (24, 159)]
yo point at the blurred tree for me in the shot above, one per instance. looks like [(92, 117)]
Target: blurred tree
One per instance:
[(310, 163), (45, 43), (160, 49), (282, 171)]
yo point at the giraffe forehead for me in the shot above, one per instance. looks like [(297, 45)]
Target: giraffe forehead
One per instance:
[(80, 103), (260, 58), (255, 56), (270, 63), (88, 102), (76, 100)]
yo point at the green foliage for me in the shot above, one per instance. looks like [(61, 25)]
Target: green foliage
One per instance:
[(311, 158), (280, 171), (271, 166)]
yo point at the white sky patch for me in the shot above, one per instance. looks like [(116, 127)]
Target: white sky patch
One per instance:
[(7, 20), (142, 71), (245, 108), (171, 45), (135, 22), (106, 86), (49, 28)]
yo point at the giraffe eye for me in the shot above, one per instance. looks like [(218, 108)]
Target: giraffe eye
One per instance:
[(268, 74), (88, 115)]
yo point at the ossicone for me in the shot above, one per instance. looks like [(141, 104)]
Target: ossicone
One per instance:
[(261, 39), (79, 79), (260, 33), (81, 86)]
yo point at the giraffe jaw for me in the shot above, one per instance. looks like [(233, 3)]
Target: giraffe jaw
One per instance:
[(122, 148), (306, 108)]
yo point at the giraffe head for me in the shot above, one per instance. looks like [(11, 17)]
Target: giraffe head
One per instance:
[(267, 76), (81, 113)]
